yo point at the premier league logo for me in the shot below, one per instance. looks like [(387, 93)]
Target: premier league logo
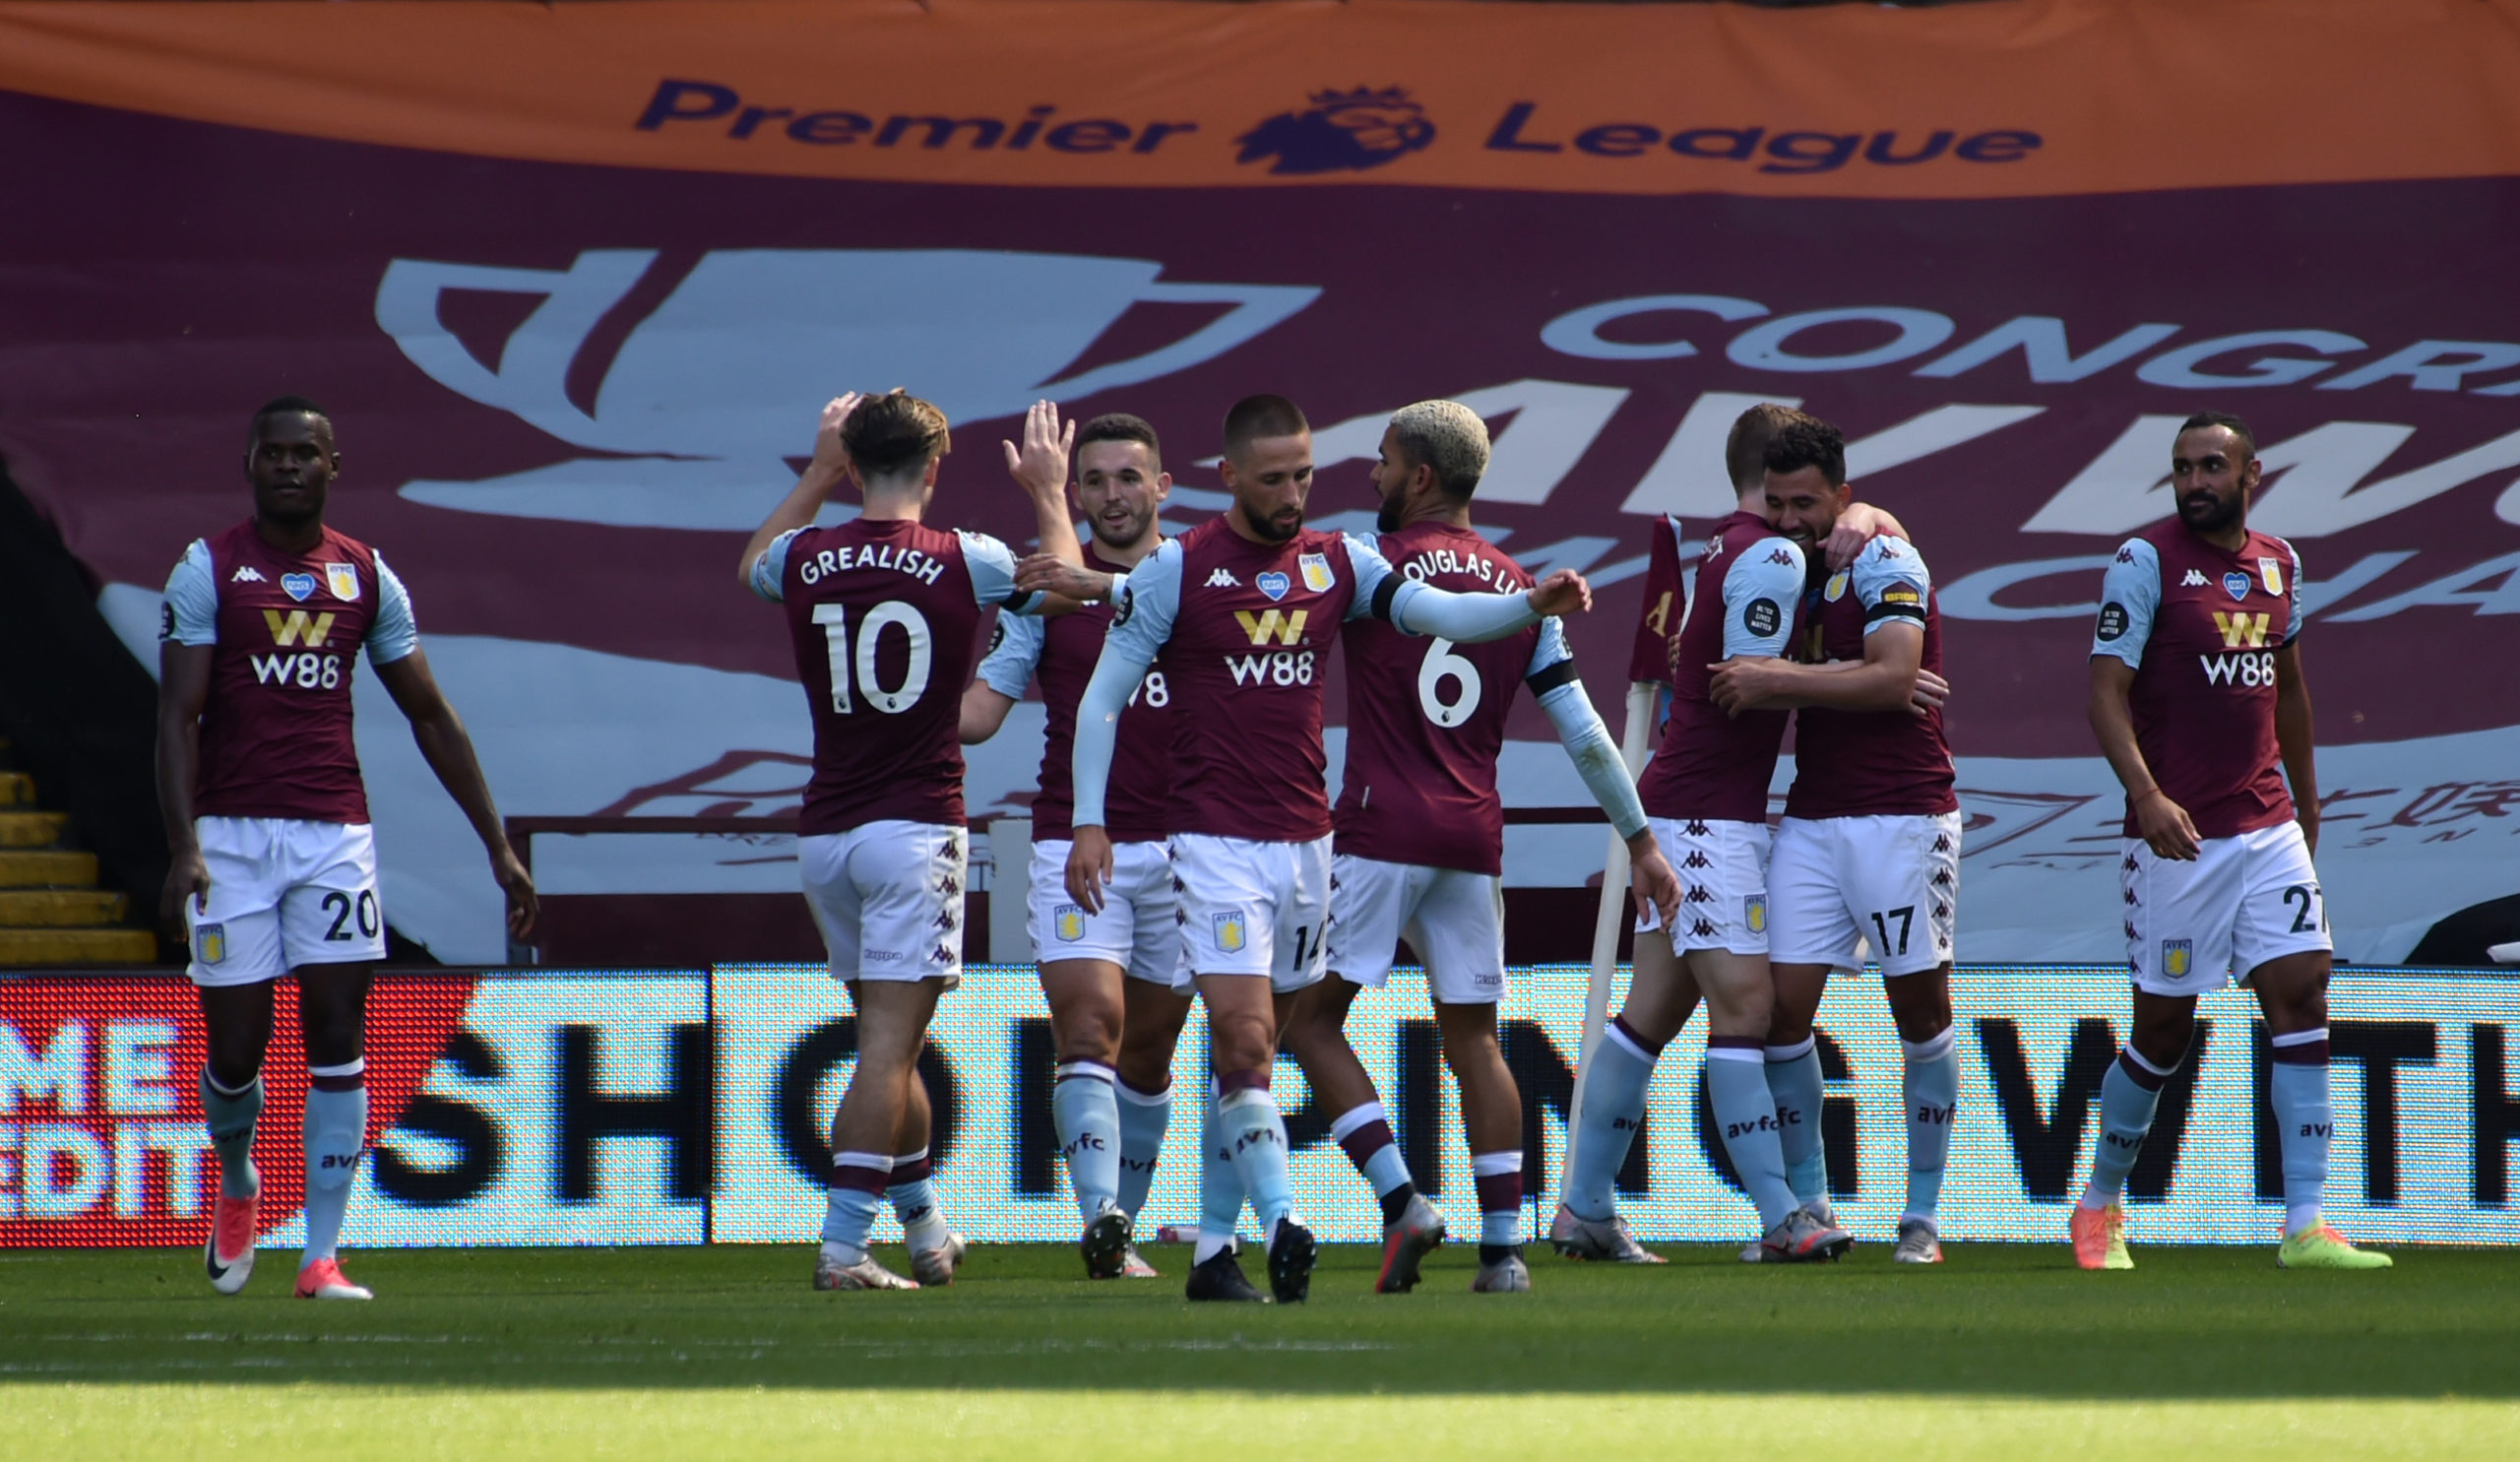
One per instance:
[(1341, 132), (1273, 584)]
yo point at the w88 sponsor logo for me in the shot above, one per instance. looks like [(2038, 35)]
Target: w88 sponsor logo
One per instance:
[(2251, 668), (1279, 668), (307, 670)]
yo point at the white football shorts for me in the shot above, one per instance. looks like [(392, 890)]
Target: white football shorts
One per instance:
[(1135, 930), (1723, 883), (2246, 900), (284, 893), (1890, 880), (887, 897), (1251, 908), (1454, 920)]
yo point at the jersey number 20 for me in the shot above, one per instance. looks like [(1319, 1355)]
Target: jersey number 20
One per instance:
[(834, 618)]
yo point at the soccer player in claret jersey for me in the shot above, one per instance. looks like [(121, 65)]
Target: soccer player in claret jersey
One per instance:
[(2198, 702), (274, 861), (1706, 797), (884, 613), (1420, 839), (1242, 610), (1869, 847), (1117, 992)]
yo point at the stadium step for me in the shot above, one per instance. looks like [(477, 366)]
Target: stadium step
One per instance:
[(20, 829), (50, 868), (77, 947), (17, 789), (61, 908)]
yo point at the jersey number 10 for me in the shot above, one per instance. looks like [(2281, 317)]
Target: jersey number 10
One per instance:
[(834, 618)]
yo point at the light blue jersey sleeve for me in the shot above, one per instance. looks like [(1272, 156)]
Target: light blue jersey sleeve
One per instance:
[(192, 599), (2293, 621), (1414, 608), (1143, 607), (1760, 592), (1013, 654), (1551, 651), (1373, 572), (992, 566), (769, 570), (2131, 595), (1892, 582), (393, 634)]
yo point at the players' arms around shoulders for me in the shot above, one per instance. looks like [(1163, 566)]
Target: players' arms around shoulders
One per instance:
[(1014, 653), (1419, 608), (2130, 594), (1894, 587), (1551, 678)]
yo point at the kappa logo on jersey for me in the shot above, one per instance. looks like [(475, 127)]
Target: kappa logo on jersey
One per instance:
[(210, 943), (246, 573), (299, 587), (1069, 922), (1315, 568), (2196, 579), (1779, 556), (2178, 956), (300, 628), (2242, 630), (2235, 584), (2270, 572), (1230, 932), (1224, 578), (1273, 584), (343, 580), (1271, 626)]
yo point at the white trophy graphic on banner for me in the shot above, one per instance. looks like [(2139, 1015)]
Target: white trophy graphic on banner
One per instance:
[(704, 398)]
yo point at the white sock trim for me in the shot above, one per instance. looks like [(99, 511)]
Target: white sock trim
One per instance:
[(872, 1161), (1619, 1037), (355, 1066), (248, 1089), (1249, 1096), (1090, 1072), (1491, 1164), (1136, 1098), (1779, 1055), (1935, 1048), (1354, 1117), (1734, 1054), (2139, 1059), (2299, 1037), (904, 1159)]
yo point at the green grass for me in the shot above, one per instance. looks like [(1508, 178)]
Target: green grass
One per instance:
[(726, 1352)]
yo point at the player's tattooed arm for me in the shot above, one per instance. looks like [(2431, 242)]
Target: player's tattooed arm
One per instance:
[(448, 750), (1040, 468), (2292, 739), (813, 488), (184, 688), (1069, 586), (2163, 824)]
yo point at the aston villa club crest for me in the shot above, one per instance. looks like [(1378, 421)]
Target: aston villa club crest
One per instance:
[(1837, 588), (1316, 572), (210, 943), (2178, 956), (1754, 914), (343, 580), (1070, 923), (1230, 936), (2270, 572)]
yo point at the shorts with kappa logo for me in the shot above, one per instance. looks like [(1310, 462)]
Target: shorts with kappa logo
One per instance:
[(1135, 930), (2244, 901), (284, 892), (1455, 920), (1252, 908), (1835, 883), (1723, 883), (887, 897)]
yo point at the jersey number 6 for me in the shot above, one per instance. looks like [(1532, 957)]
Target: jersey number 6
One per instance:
[(1442, 665), (834, 618)]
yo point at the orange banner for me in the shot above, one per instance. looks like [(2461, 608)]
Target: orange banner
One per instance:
[(1997, 100)]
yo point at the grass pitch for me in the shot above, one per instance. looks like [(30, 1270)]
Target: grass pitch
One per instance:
[(726, 1352)]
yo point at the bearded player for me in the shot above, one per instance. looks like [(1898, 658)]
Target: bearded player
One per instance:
[(1869, 846), (884, 613), (1706, 797), (1420, 840), (274, 859), (2198, 702), (1109, 976), (1245, 611)]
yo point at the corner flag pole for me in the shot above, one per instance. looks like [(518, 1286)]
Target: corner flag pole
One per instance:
[(1635, 739)]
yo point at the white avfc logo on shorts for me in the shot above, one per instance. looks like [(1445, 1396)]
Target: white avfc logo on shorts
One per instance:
[(210, 943), (1230, 932), (2178, 956), (1316, 571), (1069, 923), (1754, 914), (343, 580)]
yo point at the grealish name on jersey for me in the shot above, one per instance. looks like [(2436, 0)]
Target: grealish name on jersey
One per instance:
[(925, 567)]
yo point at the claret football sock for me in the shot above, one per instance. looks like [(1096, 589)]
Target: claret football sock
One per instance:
[(1932, 1083), (1498, 1177), (855, 1197), (1256, 1134), (1793, 1084), (1366, 1137), (2128, 1095), (1614, 1089), (912, 1188), (230, 1116), (1088, 1117), (335, 1133), (2297, 1088), (1144, 1116), (1745, 1113)]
